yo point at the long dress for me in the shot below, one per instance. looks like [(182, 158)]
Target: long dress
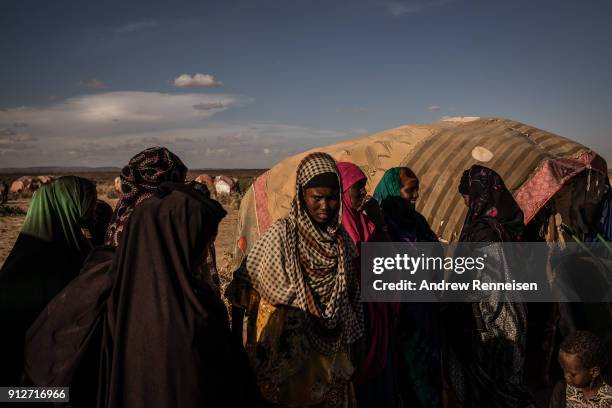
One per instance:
[(487, 344), (48, 254), (418, 324)]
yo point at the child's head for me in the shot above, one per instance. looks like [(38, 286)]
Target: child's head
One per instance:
[(582, 357)]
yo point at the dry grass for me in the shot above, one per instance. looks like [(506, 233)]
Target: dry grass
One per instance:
[(10, 225), (11, 211)]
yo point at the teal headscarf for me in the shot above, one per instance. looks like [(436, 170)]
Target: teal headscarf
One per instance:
[(405, 223), (388, 186), (397, 212), (59, 210)]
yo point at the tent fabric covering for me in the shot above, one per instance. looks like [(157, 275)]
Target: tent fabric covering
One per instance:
[(225, 185), (534, 164)]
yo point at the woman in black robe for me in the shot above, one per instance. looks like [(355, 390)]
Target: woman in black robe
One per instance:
[(487, 338), (160, 334)]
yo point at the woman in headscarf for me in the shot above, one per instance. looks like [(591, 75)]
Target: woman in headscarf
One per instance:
[(303, 308), (397, 193), (359, 225), (48, 253), (165, 338), (487, 338), (375, 382), (493, 214), (139, 181), (419, 378)]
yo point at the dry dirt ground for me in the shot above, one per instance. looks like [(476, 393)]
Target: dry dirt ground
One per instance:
[(11, 225)]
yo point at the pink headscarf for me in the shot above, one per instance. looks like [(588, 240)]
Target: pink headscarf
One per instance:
[(361, 229), (358, 226)]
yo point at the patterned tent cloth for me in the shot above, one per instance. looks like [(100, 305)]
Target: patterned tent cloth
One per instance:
[(536, 165)]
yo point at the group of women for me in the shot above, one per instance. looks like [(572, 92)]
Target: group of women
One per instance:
[(139, 320), (311, 343), (134, 322)]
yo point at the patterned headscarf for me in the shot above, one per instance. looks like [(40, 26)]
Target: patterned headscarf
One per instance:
[(139, 181), (300, 265), (493, 214)]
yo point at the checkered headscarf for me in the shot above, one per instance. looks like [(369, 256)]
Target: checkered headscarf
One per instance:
[(300, 265)]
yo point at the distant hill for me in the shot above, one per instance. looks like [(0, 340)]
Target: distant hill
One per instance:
[(74, 170), (55, 170)]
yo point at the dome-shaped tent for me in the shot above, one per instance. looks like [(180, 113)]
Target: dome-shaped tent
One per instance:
[(22, 184), (205, 179), (209, 182), (225, 185), (534, 164)]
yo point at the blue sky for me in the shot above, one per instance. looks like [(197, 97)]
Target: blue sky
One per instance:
[(93, 83)]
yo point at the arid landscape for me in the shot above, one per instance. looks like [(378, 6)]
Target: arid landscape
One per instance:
[(13, 217)]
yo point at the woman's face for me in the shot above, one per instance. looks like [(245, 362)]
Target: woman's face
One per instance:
[(322, 204), (357, 193), (409, 190)]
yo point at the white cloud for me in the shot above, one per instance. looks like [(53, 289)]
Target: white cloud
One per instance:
[(136, 26), (434, 108), (9, 135), (208, 106), (222, 151), (99, 111), (94, 84), (197, 80), (109, 128), (15, 144)]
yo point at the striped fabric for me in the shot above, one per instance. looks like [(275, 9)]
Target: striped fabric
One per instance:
[(533, 163), (518, 153)]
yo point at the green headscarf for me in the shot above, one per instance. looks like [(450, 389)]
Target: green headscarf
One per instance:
[(58, 210), (389, 185), (405, 223)]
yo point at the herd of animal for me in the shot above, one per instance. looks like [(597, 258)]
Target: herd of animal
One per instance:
[(219, 186), (22, 186)]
